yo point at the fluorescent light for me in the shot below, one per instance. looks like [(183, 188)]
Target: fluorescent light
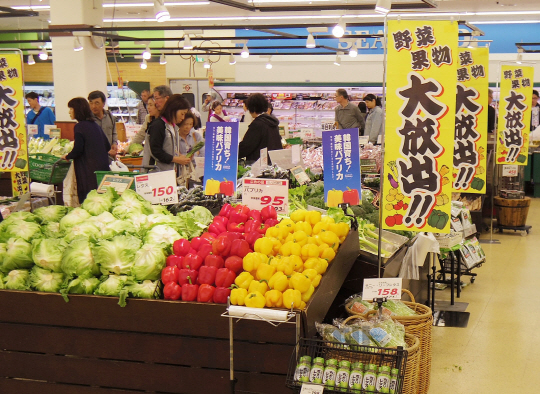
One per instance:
[(43, 55), (126, 5), (339, 29), (383, 6), (507, 13), (146, 54), (503, 22), (269, 65), (353, 52), (144, 65), (31, 60), (187, 42), (162, 59), (77, 46), (310, 43), (243, 18), (245, 52), (206, 64), (31, 7), (161, 12), (232, 59), (337, 62)]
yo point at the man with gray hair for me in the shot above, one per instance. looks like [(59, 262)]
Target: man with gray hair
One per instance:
[(161, 95), (348, 115)]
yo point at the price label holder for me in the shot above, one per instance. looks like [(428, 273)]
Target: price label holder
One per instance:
[(264, 157), (384, 287), (32, 130), (158, 188), (118, 183), (296, 154), (363, 140), (300, 175), (199, 167), (310, 388), (258, 193), (307, 134), (510, 170), (282, 158)]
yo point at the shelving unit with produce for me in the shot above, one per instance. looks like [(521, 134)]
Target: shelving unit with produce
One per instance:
[(123, 103), (46, 95)]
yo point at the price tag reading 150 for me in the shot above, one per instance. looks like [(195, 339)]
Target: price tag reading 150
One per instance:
[(259, 193)]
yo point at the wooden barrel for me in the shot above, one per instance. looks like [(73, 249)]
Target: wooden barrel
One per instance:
[(512, 213)]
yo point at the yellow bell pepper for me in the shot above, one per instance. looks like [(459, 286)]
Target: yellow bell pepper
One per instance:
[(287, 222), (211, 187), (290, 249), (279, 281), (299, 282), (274, 299), (243, 280), (274, 261), (302, 305), (283, 231), (272, 232), (330, 238), (265, 271), (309, 250), (306, 295), (264, 245), (238, 296), (275, 246), (327, 254), (312, 241), (255, 300), (317, 264), (313, 276), (303, 226), (286, 266), (300, 237), (251, 262), (313, 217), (334, 198), (298, 263), (292, 299), (320, 227), (328, 219), (260, 286), (299, 215), (342, 229)]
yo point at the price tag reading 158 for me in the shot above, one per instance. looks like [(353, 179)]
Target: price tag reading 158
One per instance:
[(259, 193), (382, 288)]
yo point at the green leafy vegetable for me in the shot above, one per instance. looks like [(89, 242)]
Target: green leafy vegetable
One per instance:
[(130, 204), (117, 255), (146, 289), (45, 280), (51, 230), (135, 149), (17, 280), (113, 285), (23, 230), (78, 259), (18, 255), (76, 216), (47, 253), (97, 203), (148, 263), (52, 213), (162, 236), (86, 230), (80, 285)]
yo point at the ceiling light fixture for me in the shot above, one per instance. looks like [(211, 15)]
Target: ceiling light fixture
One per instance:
[(337, 62), (31, 60), (146, 54), (353, 52), (269, 64), (310, 43), (162, 59), (339, 29), (206, 64), (245, 52), (77, 46), (520, 56), (383, 6), (144, 65), (160, 11), (168, 4), (187, 42), (232, 59), (43, 55)]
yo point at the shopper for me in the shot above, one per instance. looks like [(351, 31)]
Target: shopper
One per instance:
[(104, 119), (218, 113), (189, 137), (162, 146), (90, 150), (153, 113), (39, 115), (270, 111), (262, 133), (374, 119), (246, 116), (161, 95), (142, 110), (363, 109), (210, 98), (347, 115), (535, 114), (492, 114)]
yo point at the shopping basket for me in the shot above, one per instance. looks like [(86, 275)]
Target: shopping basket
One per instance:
[(47, 168)]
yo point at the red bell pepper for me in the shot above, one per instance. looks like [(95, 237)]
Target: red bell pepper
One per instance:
[(169, 274), (222, 246), (207, 275), (174, 261), (235, 264), (239, 247), (221, 295), (252, 237), (204, 251), (238, 217), (225, 277), (213, 260), (271, 222), (232, 235), (181, 247), (205, 293), (236, 227), (192, 261), (262, 228), (221, 219), (226, 187), (189, 291), (251, 225), (268, 212), (209, 237), (226, 210), (217, 228), (197, 242), (255, 214), (241, 209), (351, 196), (184, 275), (172, 291)]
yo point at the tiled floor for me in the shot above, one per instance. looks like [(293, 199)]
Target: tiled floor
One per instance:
[(499, 351)]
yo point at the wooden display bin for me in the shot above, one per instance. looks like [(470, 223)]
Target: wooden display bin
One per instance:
[(90, 345)]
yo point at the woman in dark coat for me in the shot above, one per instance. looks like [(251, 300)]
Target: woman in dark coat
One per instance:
[(90, 151)]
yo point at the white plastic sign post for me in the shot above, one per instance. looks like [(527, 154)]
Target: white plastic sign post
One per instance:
[(199, 167), (296, 154), (264, 157), (309, 388), (259, 193), (510, 170), (382, 288), (158, 188)]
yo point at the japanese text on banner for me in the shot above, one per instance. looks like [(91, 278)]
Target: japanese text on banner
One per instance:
[(341, 158), (13, 149), (515, 104), (471, 131), (421, 100), (19, 183), (221, 158)]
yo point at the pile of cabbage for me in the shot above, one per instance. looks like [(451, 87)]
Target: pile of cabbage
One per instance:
[(111, 246), (54, 146)]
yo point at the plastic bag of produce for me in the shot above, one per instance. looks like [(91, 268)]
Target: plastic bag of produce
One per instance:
[(353, 333), (330, 333), (385, 332), (359, 306), (398, 308)]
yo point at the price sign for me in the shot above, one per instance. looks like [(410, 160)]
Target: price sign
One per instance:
[(510, 170), (158, 188), (118, 183), (32, 129), (326, 126), (309, 388), (300, 175), (259, 193), (382, 288), (368, 166), (307, 134)]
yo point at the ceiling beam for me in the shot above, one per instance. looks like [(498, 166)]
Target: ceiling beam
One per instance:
[(235, 4), (8, 12), (425, 4)]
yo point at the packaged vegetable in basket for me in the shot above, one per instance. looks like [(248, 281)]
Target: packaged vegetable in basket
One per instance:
[(330, 333), (386, 332), (398, 308), (359, 306), (353, 333)]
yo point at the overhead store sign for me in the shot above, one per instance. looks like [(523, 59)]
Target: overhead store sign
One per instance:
[(470, 143), (514, 124), (421, 91)]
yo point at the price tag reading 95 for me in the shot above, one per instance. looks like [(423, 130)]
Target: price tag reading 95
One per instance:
[(158, 188), (382, 288), (259, 193)]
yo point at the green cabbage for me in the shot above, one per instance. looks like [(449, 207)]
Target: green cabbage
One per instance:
[(104, 218), (200, 214), (130, 204), (23, 230), (80, 285), (140, 222), (113, 285), (2, 286), (47, 253), (135, 149), (86, 230), (52, 213), (149, 261), (118, 227), (23, 216), (169, 220), (78, 215), (162, 236), (97, 203), (17, 280), (45, 280), (116, 256), (78, 259), (160, 209), (51, 230), (3, 251), (146, 289), (18, 255)]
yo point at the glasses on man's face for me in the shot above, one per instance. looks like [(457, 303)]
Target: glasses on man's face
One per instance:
[(158, 98)]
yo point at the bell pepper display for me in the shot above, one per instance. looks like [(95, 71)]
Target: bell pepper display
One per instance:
[(221, 294), (211, 187), (255, 215), (226, 187), (260, 286), (190, 291), (172, 291), (279, 281), (292, 299), (226, 210), (192, 261), (181, 247), (252, 237), (300, 282), (334, 198), (265, 272), (274, 299), (241, 209), (221, 219), (238, 217), (263, 245), (255, 300), (313, 276), (221, 246), (239, 248), (213, 260), (271, 222), (238, 296), (174, 260), (236, 227), (317, 264), (285, 265), (235, 264), (244, 280), (204, 251), (197, 242), (351, 196), (208, 237), (225, 277), (217, 228), (169, 274), (268, 212), (185, 275), (205, 293), (207, 275)]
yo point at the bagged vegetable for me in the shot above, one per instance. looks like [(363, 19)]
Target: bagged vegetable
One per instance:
[(78, 259), (148, 263), (385, 332), (18, 255), (17, 280), (354, 334), (398, 308), (47, 253), (359, 306), (330, 333), (113, 285), (117, 255), (45, 280)]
